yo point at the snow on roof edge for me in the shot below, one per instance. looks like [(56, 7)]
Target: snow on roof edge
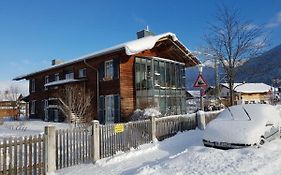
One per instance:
[(131, 48)]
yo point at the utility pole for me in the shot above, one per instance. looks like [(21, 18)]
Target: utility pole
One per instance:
[(216, 77)]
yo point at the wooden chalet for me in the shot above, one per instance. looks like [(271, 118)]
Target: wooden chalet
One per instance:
[(146, 72)]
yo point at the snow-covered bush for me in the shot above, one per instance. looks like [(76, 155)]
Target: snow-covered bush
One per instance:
[(145, 114)]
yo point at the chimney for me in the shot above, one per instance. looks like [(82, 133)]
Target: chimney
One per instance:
[(145, 32), (56, 62)]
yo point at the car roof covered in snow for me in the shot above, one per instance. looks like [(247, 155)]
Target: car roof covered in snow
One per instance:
[(243, 124)]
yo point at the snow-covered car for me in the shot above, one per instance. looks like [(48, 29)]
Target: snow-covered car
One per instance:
[(243, 125)]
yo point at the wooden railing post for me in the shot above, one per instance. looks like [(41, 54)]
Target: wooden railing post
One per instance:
[(95, 141), (153, 128), (50, 149)]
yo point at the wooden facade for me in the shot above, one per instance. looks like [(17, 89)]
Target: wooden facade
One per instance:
[(122, 84)]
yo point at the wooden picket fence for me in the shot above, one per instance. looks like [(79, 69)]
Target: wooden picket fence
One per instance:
[(72, 147), (131, 135), (169, 126), (211, 115), (22, 155), (29, 155)]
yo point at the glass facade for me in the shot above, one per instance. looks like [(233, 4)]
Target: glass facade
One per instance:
[(160, 83)]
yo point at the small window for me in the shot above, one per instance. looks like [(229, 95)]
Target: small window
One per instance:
[(32, 85), (46, 81), (69, 75), (108, 66), (82, 73), (32, 107), (57, 77)]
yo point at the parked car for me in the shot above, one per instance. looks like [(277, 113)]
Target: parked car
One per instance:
[(243, 125)]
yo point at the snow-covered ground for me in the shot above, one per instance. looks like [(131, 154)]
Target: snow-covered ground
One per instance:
[(27, 128), (185, 154)]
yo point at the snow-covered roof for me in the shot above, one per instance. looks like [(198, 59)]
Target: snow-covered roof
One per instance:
[(194, 93), (250, 87), (54, 83), (131, 48)]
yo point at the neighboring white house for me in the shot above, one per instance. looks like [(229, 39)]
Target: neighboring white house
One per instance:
[(246, 93)]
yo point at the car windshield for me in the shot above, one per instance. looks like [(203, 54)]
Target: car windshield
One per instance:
[(235, 113)]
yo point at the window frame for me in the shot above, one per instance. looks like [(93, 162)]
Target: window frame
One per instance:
[(33, 107), (57, 77), (107, 73), (46, 81), (82, 73), (68, 75), (33, 85)]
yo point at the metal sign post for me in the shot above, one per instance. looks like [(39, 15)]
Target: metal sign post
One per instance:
[(202, 84)]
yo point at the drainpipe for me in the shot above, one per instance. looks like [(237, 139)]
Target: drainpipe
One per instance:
[(97, 73)]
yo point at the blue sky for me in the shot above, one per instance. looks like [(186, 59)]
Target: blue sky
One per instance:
[(34, 32)]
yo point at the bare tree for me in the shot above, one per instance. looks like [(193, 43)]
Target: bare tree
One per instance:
[(12, 93), (75, 103), (231, 40)]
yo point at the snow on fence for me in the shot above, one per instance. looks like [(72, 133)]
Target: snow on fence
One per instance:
[(72, 147), (58, 149), (122, 137), (22, 155), (169, 126), (211, 115)]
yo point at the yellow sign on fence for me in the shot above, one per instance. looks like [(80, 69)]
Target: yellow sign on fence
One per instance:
[(119, 128)]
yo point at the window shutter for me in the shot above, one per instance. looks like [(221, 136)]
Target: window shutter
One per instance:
[(101, 110), (101, 71), (115, 68), (116, 109)]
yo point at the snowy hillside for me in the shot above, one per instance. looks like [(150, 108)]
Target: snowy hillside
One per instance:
[(185, 154)]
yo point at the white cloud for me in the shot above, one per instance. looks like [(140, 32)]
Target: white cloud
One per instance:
[(275, 22)]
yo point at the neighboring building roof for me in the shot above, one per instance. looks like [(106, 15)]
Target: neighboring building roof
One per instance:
[(194, 93), (250, 87), (131, 48)]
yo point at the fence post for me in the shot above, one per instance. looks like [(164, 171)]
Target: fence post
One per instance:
[(50, 149), (153, 128), (201, 124), (95, 141)]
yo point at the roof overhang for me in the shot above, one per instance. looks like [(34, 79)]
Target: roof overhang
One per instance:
[(132, 48)]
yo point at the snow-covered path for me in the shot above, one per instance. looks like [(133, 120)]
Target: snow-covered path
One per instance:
[(185, 154)]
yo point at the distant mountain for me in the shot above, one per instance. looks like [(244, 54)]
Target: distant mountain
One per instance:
[(261, 69)]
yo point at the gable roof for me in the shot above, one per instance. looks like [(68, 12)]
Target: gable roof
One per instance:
[(250, 87), (131, 48)]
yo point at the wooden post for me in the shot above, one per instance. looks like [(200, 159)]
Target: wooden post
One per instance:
[(50, 149), (201, 124), (95, 141), (153, 128)]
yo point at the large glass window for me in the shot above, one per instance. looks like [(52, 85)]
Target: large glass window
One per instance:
[(159, 83)]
